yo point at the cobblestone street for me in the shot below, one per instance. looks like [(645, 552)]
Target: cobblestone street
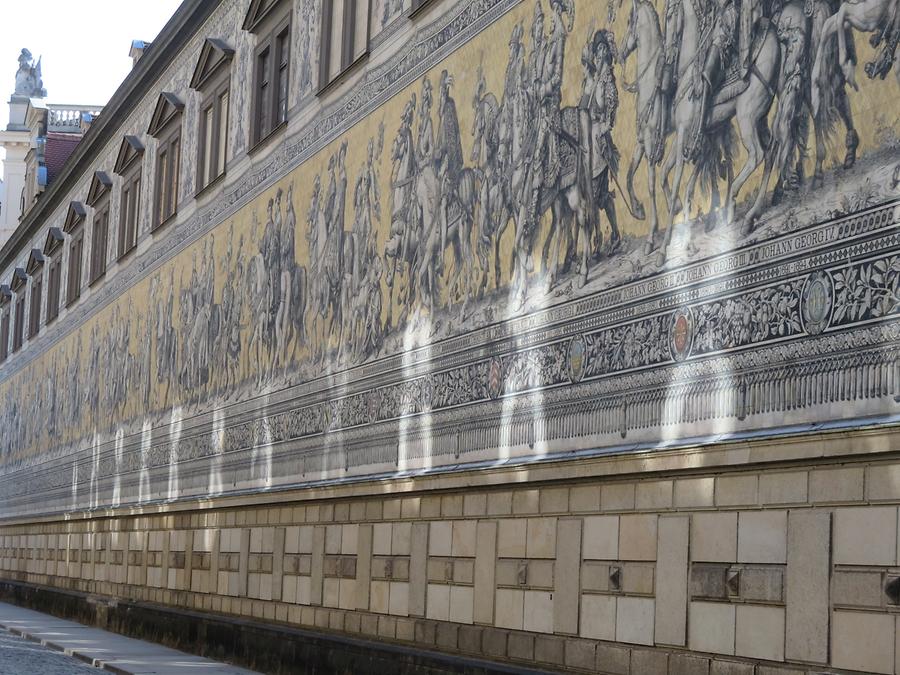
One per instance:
[(23, 657)]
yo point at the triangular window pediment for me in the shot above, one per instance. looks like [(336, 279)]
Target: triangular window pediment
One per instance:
[(213, 56), (35, 261), (20, 278), (259, 10), (168, 106), (55, 239), (100, 185), (130, 151), (75, 216)]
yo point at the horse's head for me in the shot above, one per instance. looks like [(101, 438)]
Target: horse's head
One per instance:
[(630, 41)]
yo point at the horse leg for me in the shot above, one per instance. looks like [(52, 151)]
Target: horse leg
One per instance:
[(654, 215), (833, 24), (748, 125), (675, 203), (689, 197), (673, 200), (636, 156), (759, 202), (851, 142), (846, 65)]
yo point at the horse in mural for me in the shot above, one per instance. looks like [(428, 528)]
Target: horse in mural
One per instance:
[(702, 124), (644, 36)]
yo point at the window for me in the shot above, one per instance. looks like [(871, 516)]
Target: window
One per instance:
[(19, 284), (165, 126), (53, 254), (5, 297), (74, 227), (270, 20), (212, 79), (35, 270), (98, 198), (128, 165), (345, 37)]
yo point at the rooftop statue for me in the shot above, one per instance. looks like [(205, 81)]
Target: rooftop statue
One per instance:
[(28, 77)]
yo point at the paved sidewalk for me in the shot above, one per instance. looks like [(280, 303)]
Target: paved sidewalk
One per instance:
[(110, 651)]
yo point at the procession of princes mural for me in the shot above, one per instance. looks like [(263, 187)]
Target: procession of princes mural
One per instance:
[(676, 132)]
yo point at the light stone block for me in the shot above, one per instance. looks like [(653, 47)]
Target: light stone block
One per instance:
[(440, 538), (538, 606), (463, 544), (783, 488), (400, 538), (883, 482), (554, 500), (511, 538), (438, 602), (654, 495), (349, 539), (333, 539), (695, 492), (462, 604), (634, 620), (381, 539), (714, 537), (399, 598), (762, 537), (806, 578), (672, 571), (865, 535), (540, 539), (485, 571), (584, 499), (601, 538), (363, 565), (836, 485), (598, 617), (566, 583), (737, 490), (637, 537), (617, 497), (712, 627), (863, 641), (510, 608), (759, 632), (380, 597), (418, 577)]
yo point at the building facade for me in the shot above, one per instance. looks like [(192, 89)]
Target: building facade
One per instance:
[(561, 334)]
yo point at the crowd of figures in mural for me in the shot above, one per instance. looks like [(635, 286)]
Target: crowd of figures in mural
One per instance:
[(540, 176)]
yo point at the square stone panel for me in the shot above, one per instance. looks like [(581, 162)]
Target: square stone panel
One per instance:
[(714, 537), (598, 617), (601, 538), (759, 632), (762, 537), (635, 619), (863, 641), (711, 627), (865, 536), (510, 608)]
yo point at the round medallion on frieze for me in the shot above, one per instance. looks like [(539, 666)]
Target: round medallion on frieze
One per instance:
[(817, 302), (577, 358), (682, 333), (495, 378)]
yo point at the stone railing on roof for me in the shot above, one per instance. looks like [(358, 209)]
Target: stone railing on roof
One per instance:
[(68, 118)]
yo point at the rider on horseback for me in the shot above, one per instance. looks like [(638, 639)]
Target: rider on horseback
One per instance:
[(724, 36)]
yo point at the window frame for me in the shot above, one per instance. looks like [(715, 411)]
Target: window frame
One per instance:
[(167, 174), (217, 164), (53, 256), (348, 38), (129, 210), (99, 235), (74, 227), (5, 322), (267, 117), (19, 287)]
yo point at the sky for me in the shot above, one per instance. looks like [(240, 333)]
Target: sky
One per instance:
[(84, 45)]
